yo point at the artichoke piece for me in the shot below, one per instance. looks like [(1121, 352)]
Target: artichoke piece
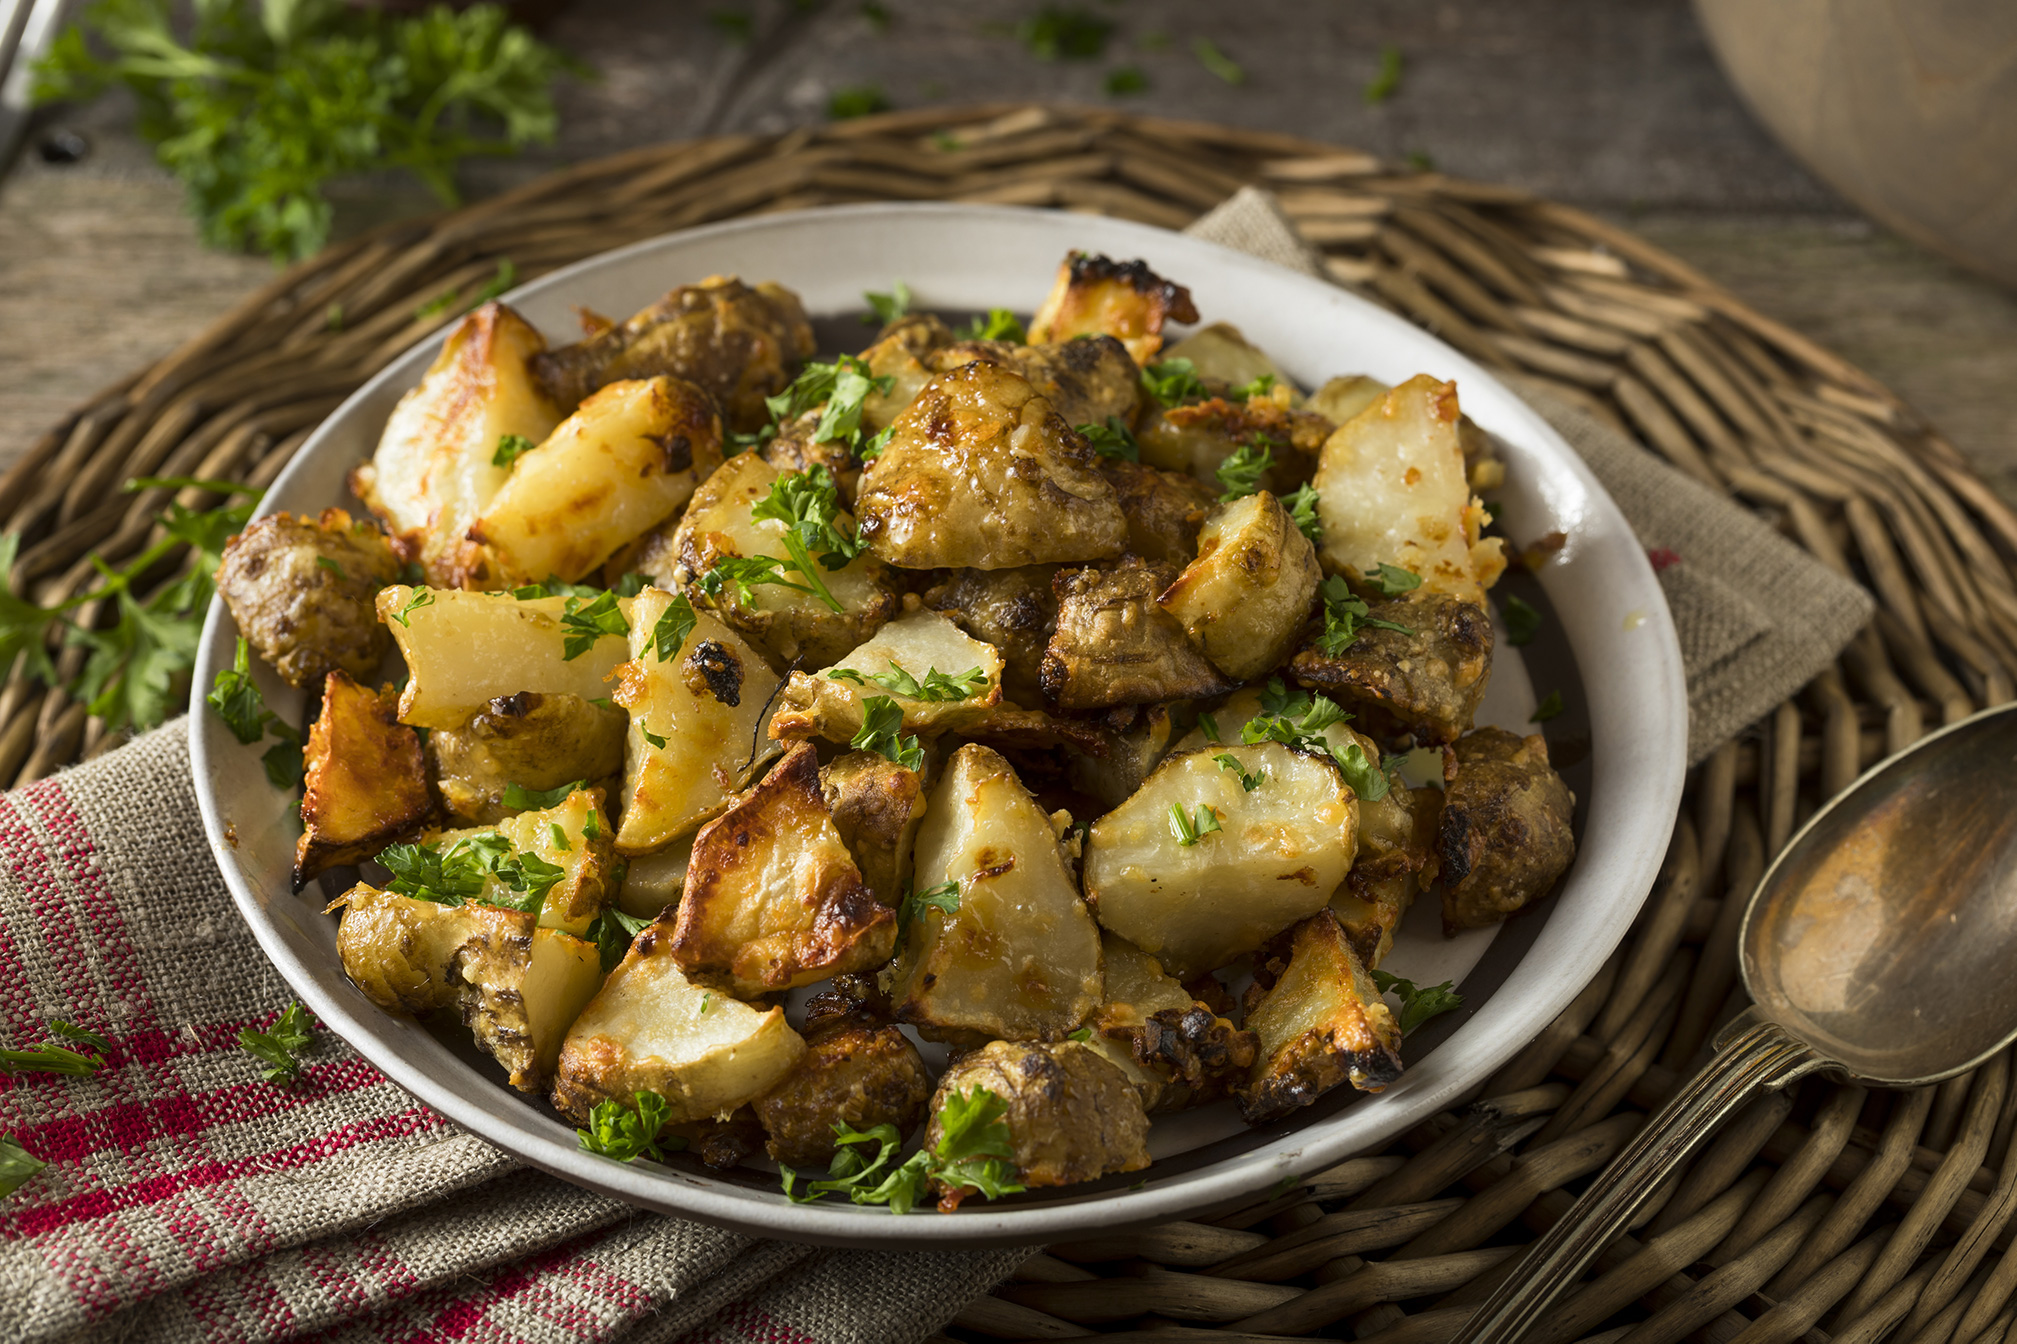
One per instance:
[(1246, 598), (1013, 609), (302, 590), (1198, 439), (1115, 646), (537, 742), (1098, 296), (1504, 835), (1131, 757), (364, 779), (876, 806), (1072, 1116), (853, 1071), (1424, 681), (1165, 509), (1319, 1020)]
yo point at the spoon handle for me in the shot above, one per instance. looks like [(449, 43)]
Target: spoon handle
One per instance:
[(1752, 1057)]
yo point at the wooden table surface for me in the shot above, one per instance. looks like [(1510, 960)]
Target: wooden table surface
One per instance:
[(1614, 105)]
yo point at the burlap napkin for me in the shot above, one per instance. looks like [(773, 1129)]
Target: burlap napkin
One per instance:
[(184, 1198)]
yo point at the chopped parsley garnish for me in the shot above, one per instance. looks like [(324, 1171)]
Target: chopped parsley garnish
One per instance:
[(1082, 1035), (1259, 387), (840, 387), (17, 1165), (1295, 718), (1190, 829), (936, 687), (1209, 726), (886, 308), (882, 733), (1249, 782), (872, 447), (674, 624), (975, 1151), (613, 934), (333, 566), (1392, 580), (560, 840), (1113, 439), (651, 737), (944, 897), (1418, 1005), (1345, 614), (1368, 780), (1173, 381), (511, 447), (625, 1133), (807, 503), (630, 585), (706, 1002), (1522, 621), (279, 1045), (421, 597), (587, 622), (999, 324), (538, 800), (238, 702), (1216, 61), (49, 1057), (1549, 708), (1302, 507), (1241, 473), (745, 573), (464, 870), (1384, 84)]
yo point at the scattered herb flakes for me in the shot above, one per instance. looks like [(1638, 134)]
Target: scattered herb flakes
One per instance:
[(1173, 381), (1209, 726), (1241, 473), (1550, 708), (17, 1165), (936, 687), (1420, 160), (886, 308), (1259, 387), (1523, 622), (651, 737), (613, 934), (1125, 82), (1369, 781), (1297, 719), (560, 840), (1387, 82), (279, 1046), (974, 1151), (1082, 1035), (1418, 1005), (1191, 828), (1302, 507), (1345, 614), (1113, 439), (625, 1133), (1392, 580), (586, 622), (1216, 61), (510, 447), (1064, 33), (808, 504), (539, 800), (333, 566), (861, 100), (332, 317), (670, 633), (1249, 781), (421, 597)]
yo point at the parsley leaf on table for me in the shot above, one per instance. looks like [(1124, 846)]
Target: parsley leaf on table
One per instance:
[(1064, 33), (278, 1045), (1418, 1005), (49, 1057), (17, 1165)]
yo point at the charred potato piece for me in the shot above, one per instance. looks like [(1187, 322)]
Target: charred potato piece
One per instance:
[(1072, 1116), (793, 626), (1178, 1051), (1098, 296), (773, 898), (651, 1028), (1320, 1023), (1280, 851), (1504, 835), (876, 806), (432, 474), (1020, 957), (1131, 757), (1013, 609), (621, 464), (901, 353), (1165, 510), (462, 648), (1087, 381), (1392, 489), (537, 742), (852, 1071), (365, 781), (829, 703), (696, 725), (1115, 646), (736, 342), (1221, 354), (1395, 833), (982, 473), (1199, 438), (1425, 681), (1246, 598), (301, 590)]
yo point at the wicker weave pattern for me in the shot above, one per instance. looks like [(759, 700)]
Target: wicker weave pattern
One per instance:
[(1830, 1214)]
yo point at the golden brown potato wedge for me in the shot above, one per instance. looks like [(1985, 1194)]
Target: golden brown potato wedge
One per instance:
[(853, 1071), (1246, 598), (651, 1029), (621, 464), (364, 779), (1098, 296), (1279, 852), (1020, 956), (1177, 1051), (432, 474), (537, 742), (982, 473), (464, 649), (1395, 836), (1072, 1116), (1115, 646), (1504, 833), (876, 806), (1087, 381), (1320, 1023), (302, 589), (773, 898), (1424, 681), (829, 703)]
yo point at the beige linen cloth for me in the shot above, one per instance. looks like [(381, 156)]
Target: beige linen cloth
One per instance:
[(184, 1198)]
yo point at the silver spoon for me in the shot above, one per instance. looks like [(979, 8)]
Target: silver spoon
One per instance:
[(1878, 946)]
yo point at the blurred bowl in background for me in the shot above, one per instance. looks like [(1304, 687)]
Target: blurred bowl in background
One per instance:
[(1906, 107)]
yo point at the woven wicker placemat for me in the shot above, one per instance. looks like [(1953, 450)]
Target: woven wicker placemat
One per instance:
[(1826, 1212)]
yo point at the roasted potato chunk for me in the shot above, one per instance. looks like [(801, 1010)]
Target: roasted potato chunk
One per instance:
[(1165, 510), (1320, 1022), (1086, 381), (651, 1028), (852, 1071), (432, 475), (736, 342), (1198, 439), (1392, 489), (1424, 681), (1020, 957), (365, 782), (301, 590), (829, 703), (1246, 598), (1013, 609), (899, 354), (773, 898), (652, 883), (793, 624), (982, 473), (1221, 354), (621, 464), (1072, 1116), (1504, 835), (1098, 296), (696, 725), (1395, 833), (1177, 1051), (876, 806), (1342, 398), (462, 648), (537, 742), (1115, 646), (1279, 852)]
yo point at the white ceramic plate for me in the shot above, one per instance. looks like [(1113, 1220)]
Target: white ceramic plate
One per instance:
[(1608, 647)]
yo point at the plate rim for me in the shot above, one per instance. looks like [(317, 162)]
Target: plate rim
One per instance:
[(1219, 1184)]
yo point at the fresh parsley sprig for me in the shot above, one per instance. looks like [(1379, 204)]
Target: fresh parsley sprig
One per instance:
[(839, 388), (882, 733), (1368, 780), (943, 897), (587, 621), (936, 687), (278, 1047), (1113, 439), (1297, 719), (237, 700), (1241, 473), (613, 934), (997, 324), (1174, 381), (1249, 780), (975, 1151), (1418, 1004), (1346, 613), (886, 308), (625, 1133), (17, 1165), (1392, 580), (420, 597), (539, 800), (808, 504), (1190, 828), (49, 1057), (465, 869), (1302, 507), (674, 624)]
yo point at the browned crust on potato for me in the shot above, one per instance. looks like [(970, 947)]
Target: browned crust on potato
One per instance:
[(1356, 1042), (1115, 646), (1504, 836), (365, 779)]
